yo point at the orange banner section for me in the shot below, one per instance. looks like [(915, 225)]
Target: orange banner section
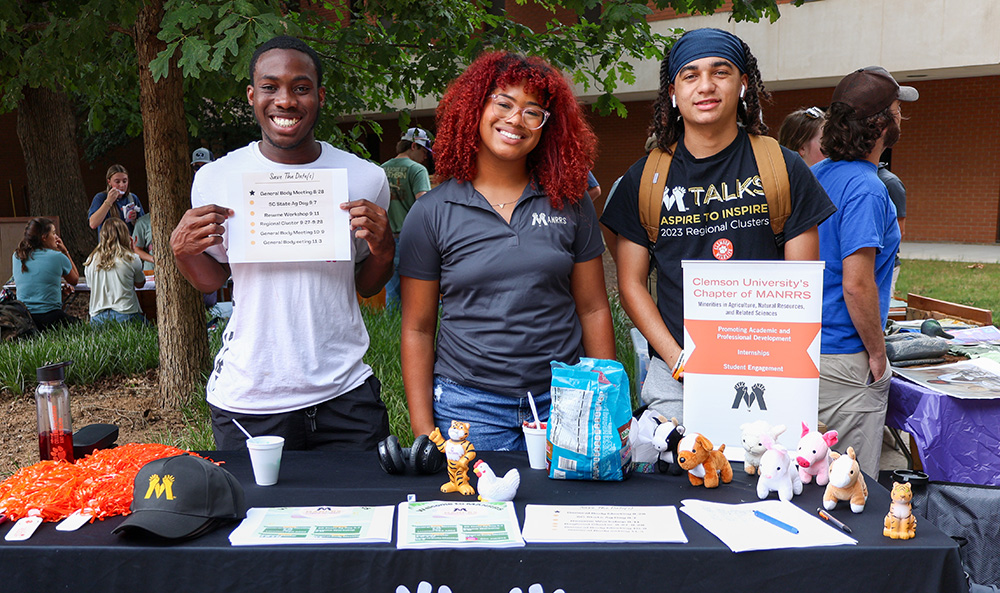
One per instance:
[(752, 348)]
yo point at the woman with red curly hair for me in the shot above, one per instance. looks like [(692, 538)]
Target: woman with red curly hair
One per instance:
[(510, 248)]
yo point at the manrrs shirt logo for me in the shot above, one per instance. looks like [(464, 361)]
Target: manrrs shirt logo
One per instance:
[(541, 219), (674, 195), (158, 488)]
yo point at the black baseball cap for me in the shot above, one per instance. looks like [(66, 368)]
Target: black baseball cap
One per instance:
[(871, 90), (183, 496)]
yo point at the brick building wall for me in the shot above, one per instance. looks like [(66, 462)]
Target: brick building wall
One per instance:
[(947, 156)]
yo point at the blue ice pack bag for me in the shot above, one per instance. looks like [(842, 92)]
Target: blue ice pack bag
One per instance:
[(589, 419)]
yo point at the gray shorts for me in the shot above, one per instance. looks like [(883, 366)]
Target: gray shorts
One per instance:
[(661, 392)]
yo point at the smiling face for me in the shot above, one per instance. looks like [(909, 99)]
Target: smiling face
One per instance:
[(286, 99), (707, 92), (508, 140), (119, 181), (50, 240)]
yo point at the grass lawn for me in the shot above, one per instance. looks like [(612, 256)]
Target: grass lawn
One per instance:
[(966, 283)]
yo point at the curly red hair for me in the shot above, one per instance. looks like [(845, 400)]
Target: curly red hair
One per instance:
[(566, 150)]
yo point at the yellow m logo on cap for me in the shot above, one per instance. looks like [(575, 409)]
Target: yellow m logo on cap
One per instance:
[(158, 489)]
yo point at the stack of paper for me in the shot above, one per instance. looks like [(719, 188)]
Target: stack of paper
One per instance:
[(742, 531)]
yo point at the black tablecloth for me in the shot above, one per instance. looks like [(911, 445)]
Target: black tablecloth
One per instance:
[(92, 559)]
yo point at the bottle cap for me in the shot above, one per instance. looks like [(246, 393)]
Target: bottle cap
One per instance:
[(53, 372)]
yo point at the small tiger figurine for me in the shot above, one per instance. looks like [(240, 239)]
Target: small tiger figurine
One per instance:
[(459, 453), (899, 521)]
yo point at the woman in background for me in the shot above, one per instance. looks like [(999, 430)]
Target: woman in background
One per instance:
[(511, 246), (801, 131), (115, 201), (40, 264), (113, 272)]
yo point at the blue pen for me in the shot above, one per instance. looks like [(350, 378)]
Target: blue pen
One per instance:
[(774, 521)]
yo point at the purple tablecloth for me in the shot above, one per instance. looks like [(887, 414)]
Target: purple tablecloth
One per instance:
[(958, 439)]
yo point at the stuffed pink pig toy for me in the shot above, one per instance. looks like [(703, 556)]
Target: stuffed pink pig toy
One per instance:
[(814, 454)]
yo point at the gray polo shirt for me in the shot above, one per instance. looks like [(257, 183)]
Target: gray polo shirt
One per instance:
[(508, 309)]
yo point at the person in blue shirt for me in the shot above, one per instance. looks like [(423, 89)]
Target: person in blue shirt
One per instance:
[(40, 264), (858, 244), (116, 201)]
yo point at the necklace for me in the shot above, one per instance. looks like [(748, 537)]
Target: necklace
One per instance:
[(502, 204)]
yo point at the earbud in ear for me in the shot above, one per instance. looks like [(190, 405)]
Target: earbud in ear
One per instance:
[(673, 100), (743, 90)]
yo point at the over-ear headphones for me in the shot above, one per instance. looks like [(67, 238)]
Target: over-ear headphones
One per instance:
[(423, 457), (743, 89)]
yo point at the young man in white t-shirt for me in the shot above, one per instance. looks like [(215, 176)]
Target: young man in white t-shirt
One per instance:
[(291, 360)]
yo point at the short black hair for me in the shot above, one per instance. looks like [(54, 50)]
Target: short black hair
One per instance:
[(288, 42)]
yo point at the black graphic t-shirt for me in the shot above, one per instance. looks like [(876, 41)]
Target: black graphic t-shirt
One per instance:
[(713, 208)]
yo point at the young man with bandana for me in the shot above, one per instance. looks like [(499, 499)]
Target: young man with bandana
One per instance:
[(713, 202), (859, 245)]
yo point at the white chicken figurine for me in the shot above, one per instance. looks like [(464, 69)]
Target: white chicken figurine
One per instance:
[(494, 489)]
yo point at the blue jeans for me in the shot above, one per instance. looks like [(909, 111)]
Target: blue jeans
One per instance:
[(392, 286), (109, 315), (494, 420)]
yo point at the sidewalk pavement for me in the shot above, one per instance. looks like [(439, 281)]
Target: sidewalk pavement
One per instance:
[(987, 254)]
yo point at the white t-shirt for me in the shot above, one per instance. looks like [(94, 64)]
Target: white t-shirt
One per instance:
[(296, 337), (115, 288)]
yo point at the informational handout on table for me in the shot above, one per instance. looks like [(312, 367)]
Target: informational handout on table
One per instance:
[(601, 523), (443, 524), (314, 525)]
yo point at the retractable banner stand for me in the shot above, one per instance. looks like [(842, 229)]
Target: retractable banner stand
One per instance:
[(752, 341)]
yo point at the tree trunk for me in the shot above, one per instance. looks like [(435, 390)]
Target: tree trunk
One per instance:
[(180, 312), (46, 128)]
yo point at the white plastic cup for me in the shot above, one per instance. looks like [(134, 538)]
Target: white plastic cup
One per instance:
[(534, 439), (265, 456)]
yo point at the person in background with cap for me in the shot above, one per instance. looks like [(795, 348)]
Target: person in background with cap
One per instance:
[(292, 357), (858, 244), (408, 180), (200, 157), (707, 108), (143, 231)]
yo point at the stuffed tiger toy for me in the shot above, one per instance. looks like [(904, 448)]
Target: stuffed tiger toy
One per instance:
[(459, 453), (899, 521)]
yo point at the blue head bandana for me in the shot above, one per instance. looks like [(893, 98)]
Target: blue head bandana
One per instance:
[(705, 43)]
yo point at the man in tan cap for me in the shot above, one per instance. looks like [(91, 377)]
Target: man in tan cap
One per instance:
[(858, 244)]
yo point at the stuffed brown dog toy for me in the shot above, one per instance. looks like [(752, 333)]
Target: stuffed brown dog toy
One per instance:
[(703, 463)]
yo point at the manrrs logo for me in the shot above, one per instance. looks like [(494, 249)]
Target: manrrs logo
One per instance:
[(158, 488), (672, 196), (541, 219)]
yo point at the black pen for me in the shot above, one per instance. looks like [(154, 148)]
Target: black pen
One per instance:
[(833, 520)]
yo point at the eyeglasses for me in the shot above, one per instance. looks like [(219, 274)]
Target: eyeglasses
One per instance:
[(532, 117), (814, 113)]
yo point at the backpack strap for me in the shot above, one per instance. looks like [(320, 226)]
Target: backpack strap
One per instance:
[(774, 179), (651, 186)]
